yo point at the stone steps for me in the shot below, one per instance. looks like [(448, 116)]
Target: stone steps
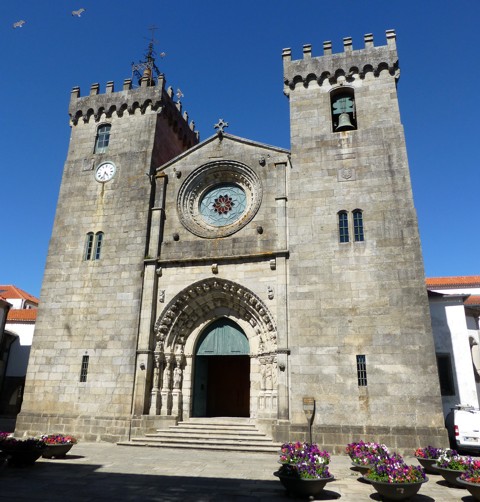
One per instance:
[(219, 434)]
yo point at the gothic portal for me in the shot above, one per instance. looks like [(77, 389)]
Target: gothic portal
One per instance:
[(234, 278)]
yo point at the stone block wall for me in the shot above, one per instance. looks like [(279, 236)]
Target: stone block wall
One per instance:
[(91, 307)]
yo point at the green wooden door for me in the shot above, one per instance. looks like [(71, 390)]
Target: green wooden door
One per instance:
[(223, 338), (221, 384)]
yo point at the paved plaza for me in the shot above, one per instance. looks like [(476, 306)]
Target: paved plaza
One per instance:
[(102, 471)]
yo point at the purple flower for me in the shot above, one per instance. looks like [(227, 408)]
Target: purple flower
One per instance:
[(304, 460)]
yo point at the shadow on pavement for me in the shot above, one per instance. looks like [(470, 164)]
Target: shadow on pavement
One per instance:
[(64, 481)]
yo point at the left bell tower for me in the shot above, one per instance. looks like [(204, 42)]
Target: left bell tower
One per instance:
[(82, 360)]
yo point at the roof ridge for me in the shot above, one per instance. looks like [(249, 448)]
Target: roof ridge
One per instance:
[(20, 292)]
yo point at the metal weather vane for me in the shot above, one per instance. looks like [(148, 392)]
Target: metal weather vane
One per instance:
[(148, 67)]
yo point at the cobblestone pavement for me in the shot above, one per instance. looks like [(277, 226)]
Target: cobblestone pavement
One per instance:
[(102, 471)]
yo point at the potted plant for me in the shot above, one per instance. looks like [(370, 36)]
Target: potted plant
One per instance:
[(21, 451), (470, 479), (427, 457), (450, 465), (57, 445), (364, 455), (394, 479), (304, 469)]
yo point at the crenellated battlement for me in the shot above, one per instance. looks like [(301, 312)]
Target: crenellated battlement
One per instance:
[(347, 63), (128, 101)]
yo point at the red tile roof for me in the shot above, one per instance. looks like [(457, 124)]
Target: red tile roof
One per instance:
[(22, 315), (453, 282), (473, 300), (12, 292)]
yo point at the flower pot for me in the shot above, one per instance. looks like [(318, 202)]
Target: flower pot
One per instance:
[(362, 468), (20, 458), (397, 491), (57, 450), (303, 487), (449, 475), (473, 488), (428, 464)]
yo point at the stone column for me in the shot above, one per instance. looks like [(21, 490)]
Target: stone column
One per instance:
[(166, 408), (281, 367), (159, 362), (144, 364)]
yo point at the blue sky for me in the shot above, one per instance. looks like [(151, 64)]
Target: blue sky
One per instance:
[(225, 56)]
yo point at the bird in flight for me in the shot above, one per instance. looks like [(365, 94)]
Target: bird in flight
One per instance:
[(19, 24), (78, 12), (179, 94)]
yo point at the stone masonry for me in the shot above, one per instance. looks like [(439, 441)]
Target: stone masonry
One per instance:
[(254, 235)]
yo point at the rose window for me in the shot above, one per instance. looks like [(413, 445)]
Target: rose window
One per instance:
[(223, 204), (219, 198)]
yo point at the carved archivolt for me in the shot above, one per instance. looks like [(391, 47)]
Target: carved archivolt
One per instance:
[(195, 304)]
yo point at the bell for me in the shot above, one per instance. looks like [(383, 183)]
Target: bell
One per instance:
[(147, 77), (344, 123)]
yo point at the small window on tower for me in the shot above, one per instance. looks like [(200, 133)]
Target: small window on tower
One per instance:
[(98, 245), (362, 370), (343, 226), (84, 369), (88, 246), (358, 225), (344, 117), (103, 138)]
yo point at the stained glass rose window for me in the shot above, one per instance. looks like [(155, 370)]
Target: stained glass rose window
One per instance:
[(223, 204)]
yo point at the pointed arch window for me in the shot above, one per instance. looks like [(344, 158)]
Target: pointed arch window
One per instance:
[(103, 138), (342, 104), (358, 225), (343, 226)]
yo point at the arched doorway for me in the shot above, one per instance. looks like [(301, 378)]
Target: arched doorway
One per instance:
[(221, 385)]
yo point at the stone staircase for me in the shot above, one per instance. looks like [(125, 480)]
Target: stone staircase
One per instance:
[(225, 434)]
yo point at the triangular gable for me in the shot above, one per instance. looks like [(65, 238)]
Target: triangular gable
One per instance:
[(225, 137)]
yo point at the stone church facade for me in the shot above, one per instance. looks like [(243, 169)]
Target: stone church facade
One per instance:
[(233, 278)]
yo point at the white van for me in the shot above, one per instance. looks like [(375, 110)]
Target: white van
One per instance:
[(463, 425)]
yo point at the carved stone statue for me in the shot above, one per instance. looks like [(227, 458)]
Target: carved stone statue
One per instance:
[(268, 376), (177, 377)]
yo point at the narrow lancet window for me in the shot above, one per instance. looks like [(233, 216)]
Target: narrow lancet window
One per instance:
[(343, 226), (358, 225), (98, 245), (88, 246)]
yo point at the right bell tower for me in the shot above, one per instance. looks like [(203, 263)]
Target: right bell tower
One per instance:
[(359, 332)]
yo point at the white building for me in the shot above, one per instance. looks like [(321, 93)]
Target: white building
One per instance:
[(455, 310), (15, 349)]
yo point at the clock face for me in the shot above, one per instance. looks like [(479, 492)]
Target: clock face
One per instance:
[(105, 172)]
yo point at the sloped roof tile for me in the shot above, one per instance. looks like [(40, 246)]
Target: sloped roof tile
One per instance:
[(473, 301), (453, 282), (22, 315), (11, 292)]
